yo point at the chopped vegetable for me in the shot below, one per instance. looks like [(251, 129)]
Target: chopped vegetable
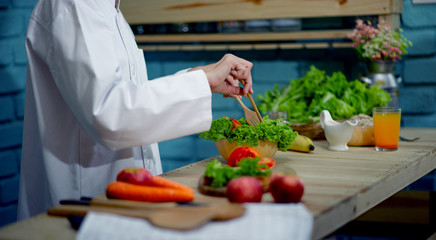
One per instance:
[(236, 123), (304, 99), (272, 130), (222, 174), (251, 167), (269, 162), (240, 153)]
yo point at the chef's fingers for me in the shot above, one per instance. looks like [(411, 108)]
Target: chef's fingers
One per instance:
[(248, 87), (232, 87), (242, 70), (231, 90), (232, 81), (245, 77), (235, 82), (234, 91)]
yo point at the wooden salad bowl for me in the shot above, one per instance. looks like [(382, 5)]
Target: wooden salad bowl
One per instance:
[(313, 131)]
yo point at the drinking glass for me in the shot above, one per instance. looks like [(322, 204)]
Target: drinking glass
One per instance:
[(386, 128), (278, 115)]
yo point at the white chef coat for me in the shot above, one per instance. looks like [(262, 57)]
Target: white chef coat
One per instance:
[(90, 110)]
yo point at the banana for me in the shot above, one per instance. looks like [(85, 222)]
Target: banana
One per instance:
[(302, 144)]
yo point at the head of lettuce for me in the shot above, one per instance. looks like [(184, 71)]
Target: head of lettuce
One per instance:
[(304, 98)]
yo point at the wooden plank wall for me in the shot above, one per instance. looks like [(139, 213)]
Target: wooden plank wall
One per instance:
[(170, 11)]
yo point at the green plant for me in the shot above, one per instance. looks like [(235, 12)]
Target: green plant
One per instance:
[(378, 43)]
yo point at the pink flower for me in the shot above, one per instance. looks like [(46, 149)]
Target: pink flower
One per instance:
[(377, 42)]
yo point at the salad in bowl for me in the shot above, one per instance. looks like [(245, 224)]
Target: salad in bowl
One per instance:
[(267, 137)]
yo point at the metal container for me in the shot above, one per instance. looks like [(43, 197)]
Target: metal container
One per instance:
[(382, 74)]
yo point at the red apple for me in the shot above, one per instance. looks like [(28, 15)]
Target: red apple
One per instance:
[(138, 176), (244, 189), (286, 188)]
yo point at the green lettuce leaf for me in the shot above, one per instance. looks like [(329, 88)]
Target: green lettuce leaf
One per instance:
[(222, 174), (220, 129)]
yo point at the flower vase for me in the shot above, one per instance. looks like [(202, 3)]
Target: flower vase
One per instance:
[(380, 67), (381, 73)]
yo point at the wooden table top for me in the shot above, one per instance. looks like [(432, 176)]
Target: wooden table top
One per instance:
[(339, 186)]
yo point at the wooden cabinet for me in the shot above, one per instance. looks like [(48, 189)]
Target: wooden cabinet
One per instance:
[(191, 11)]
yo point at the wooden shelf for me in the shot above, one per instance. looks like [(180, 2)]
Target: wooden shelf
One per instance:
[(229, 47), (245, 37), (248, 41), (189, 11)]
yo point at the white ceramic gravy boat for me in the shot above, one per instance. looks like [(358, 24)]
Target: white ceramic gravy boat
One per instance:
[(337, 133)]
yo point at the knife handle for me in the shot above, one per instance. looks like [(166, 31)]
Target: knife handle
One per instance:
[(81, 210)]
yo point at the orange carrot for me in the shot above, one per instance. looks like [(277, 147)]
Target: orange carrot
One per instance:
[(159, 181), (128, 191)]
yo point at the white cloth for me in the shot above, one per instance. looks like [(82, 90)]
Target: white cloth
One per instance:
[(90, 110), (260, 222)]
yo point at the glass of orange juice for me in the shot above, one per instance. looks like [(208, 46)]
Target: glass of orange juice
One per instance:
[(386, 128)]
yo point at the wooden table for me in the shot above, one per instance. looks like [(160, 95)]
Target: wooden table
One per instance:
[(340, 186)]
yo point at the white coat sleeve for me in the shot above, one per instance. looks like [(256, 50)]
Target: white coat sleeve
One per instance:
[(116, 111)]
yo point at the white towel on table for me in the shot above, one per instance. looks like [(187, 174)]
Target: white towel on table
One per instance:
[(260, 221)]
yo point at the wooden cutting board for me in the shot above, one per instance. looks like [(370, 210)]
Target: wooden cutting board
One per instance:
[(165, 215), (223, 211), (211, 191)]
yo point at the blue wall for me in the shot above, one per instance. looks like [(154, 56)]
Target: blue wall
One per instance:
[(14, 15), (417, 90)]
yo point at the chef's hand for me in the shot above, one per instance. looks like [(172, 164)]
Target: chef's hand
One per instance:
[(225, 75)]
